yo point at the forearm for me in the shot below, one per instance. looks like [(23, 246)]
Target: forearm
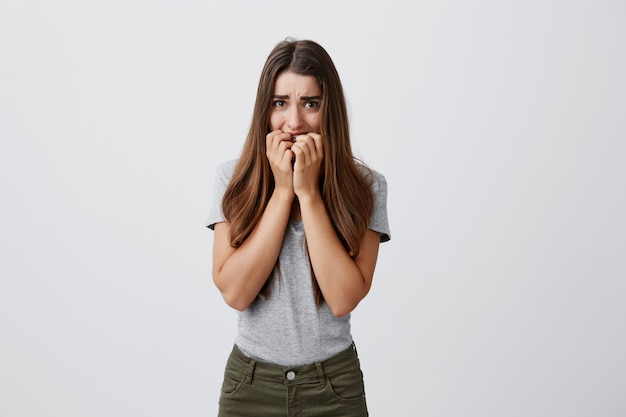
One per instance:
[(241, 272), (341, 281)]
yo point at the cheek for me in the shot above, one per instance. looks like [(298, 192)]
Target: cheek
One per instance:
[(315, 122), (275, 121)]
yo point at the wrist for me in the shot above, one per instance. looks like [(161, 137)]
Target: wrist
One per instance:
[(310, 199), (283, 194)]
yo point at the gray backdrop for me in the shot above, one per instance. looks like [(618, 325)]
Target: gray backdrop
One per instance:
[(499, 127)]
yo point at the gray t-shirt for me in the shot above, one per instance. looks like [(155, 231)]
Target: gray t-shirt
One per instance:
[(287, 327)]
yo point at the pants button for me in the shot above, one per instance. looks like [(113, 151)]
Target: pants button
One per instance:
[(291, 375)]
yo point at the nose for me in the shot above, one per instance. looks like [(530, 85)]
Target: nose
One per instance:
[(294, 119)]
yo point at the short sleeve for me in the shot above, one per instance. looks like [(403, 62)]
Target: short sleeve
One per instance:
[(379, 221), (223, 175)]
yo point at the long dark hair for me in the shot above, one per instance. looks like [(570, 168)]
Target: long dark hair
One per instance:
[(344, 184)]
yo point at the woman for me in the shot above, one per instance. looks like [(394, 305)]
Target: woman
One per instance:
[(297, 223)]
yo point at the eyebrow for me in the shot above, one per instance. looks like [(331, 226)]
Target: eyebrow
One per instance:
[(303, 98)]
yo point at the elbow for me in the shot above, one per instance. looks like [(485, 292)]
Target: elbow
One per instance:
[(341, 309), (233, 301), (231, 296), (341, 312), (239, 306), (343, 305)]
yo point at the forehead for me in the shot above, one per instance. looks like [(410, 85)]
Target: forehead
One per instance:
[(290, 82)]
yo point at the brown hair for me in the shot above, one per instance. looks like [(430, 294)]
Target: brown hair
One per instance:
[(344, 186)]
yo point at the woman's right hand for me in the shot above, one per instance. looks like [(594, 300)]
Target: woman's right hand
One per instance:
[(280, 157)]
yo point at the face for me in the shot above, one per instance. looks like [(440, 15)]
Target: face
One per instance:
[(296, 104)]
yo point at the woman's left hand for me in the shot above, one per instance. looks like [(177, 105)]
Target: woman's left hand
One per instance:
[(309, 152)]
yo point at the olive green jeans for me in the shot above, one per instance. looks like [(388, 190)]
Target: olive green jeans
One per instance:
[(332, 388)]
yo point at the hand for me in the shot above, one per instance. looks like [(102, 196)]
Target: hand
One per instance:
[(309, 153), (279, 154)]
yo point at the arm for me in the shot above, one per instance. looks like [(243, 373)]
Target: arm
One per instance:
[(239, 273), (344, 281)]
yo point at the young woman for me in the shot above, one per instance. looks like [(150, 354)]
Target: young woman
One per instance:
[(297, 221)]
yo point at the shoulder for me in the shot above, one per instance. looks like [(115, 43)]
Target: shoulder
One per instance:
[(376, 179), (227, 167), (378, 221), (225, 170), (223, 174)]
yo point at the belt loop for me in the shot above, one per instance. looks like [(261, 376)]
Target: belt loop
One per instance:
[(251, 368), (355, 351), (320, 371)]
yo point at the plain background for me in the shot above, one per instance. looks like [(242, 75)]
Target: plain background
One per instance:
[(500, 127)]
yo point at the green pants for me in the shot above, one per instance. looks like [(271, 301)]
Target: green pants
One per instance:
[(332, 388)]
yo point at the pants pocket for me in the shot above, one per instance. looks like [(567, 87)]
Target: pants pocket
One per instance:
[(233, 380), (348, 385)]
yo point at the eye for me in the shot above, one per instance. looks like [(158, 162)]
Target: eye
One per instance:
[(279, 103), (312, 104)]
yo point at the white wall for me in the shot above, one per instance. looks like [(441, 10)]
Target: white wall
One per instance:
[(500, 128)]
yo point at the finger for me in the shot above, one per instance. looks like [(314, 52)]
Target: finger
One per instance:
[(307, 145), (287, 159), (277, 136), (269, 138), (301, 151), (269, 142), (277, 143), (318, 143)]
